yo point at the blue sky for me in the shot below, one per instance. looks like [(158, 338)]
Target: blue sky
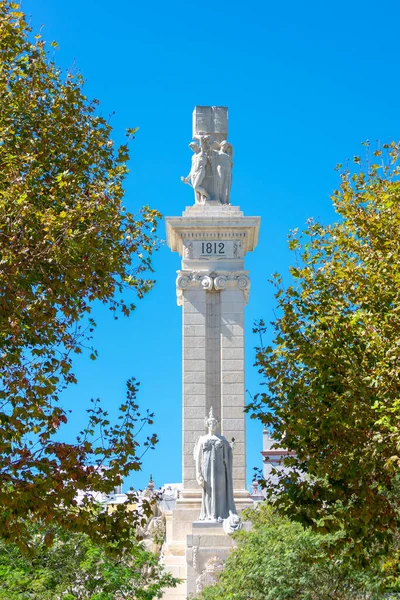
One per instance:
[(305, 83)]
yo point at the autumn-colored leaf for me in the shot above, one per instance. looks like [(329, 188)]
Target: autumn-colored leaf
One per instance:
[(66, 242)]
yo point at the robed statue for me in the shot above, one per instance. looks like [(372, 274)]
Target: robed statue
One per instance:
[(213, 457), (223, 167), (211, 172), (198, 171)]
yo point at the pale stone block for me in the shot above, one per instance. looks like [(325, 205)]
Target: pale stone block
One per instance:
[(232, 342), (198, 389), (194, 296), (233, 390), (232, 354), (238, 435), (232, 366), (231, 319), (193, 331), (194, 400), (233, 400), (194, 377), (241, 485), (190, 474), (229, 304), (193, 342), (233, 377), (185, 515), (215, 541), (194, 365), (197, 306), (198, 330), (238, 473), (182, 525), (230, 295), (194, 319), (178, 592), (174, 570), (231, 309), (190, 437), (189, 309), (231, 331), (239, 460), (190, 483), (188, 449), (194, 412), (238, 450), (194, 353), (189, 331), (233, 412), (194, 424), (233, 424), (187, 460)]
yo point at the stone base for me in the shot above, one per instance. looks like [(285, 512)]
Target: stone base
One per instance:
[(199, 558), (178, 527), (207, 549), (194, 550)]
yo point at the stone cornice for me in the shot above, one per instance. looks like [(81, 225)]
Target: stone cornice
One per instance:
[(211, 282), (212, 222)]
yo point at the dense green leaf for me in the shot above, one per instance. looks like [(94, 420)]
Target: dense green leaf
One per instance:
[(281, 560), (66, 241), (332, 374)]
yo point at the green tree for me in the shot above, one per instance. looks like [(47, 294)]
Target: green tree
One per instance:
[(66, 241), (333, 370), (281, 560), (74, 567)]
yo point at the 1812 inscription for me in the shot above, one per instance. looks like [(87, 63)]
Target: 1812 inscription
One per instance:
[(213, 249), (208, 248)]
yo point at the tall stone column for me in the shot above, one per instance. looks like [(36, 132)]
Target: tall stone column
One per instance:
[(212, 237), (194, 370), (213, 288), (232, 377)]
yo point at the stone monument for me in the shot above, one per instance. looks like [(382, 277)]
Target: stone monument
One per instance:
[(212, 286)]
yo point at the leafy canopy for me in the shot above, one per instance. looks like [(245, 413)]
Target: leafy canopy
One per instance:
[(66, 241), (281, 560), (75, 567), (333, 370)]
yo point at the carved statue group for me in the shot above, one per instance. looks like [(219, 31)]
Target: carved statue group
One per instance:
[(211, 172)]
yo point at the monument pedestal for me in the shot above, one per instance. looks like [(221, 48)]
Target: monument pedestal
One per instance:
[(207, 549), (178, 527), (198, 557)]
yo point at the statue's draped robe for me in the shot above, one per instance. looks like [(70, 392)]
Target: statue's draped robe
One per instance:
[(213, 455)]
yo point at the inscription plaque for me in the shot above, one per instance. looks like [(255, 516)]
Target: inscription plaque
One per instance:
[(213, 249)]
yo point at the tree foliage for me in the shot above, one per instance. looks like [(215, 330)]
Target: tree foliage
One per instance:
[(281, 560), (74, 567), (66, 241), (333, 370)]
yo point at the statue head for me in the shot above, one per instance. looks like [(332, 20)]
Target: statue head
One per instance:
[(205, 142), (195, 147), (226, 147), (211, 422)]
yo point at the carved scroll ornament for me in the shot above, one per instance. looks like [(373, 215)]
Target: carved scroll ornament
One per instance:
[(211, 282)]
